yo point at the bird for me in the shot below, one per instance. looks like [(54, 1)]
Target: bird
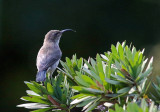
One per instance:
[(49, 54)]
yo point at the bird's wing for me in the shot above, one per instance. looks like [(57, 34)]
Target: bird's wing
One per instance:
[(47, 58)]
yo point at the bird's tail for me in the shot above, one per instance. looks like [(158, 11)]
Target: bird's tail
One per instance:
[(41, 76)]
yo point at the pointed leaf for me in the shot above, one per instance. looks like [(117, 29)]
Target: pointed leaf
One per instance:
[(99, 63), (88, 80), (120, 51), (33, 88), (94, 91), (124, 90), (86, 62), (50, 89), (80, 63), (81, 81), (33, 106), (114, 50), (42, 110), (79, 100), (35, 99), (69, 63), (112, 81)]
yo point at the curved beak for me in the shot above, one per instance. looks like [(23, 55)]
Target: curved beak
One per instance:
[(67, 30)]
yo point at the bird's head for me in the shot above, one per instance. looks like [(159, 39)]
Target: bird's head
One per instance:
[(55, 35)]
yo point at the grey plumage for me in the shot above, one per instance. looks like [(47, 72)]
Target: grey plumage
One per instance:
[(49, 55)]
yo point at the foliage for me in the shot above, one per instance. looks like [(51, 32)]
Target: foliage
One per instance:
[(157, 89), (111, 79), (53, 95), (133, 107)]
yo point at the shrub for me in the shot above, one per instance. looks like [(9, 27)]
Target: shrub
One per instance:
[(112, 80)]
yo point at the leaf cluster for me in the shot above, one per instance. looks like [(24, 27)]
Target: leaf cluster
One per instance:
[(134, 107), (52, 95), (117, 77), (157, 90)]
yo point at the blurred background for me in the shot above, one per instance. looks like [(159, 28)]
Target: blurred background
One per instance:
[(99, 23)]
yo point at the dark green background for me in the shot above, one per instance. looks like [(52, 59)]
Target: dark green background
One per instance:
[(99, 23)]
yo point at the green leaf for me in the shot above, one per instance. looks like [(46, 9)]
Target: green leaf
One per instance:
[(118, 109), (158, 79), (78, 96), (99, 64), (133, 107), (93, 63), (117, 95), (114, 50), (138, 71), (64, 98), (88, 80), (33, 88), (145, 88), (110, 110), (124, 90), (93, 106), (129, 54), (40, 87), (133, 53), (112, 95), (120, 51), (140, 57), (90, 90), (145, 74), (143, 64), (96, 77), (74, 68), (117, 64), (132, 90), (67, 69), (90, 106), (69, 63), (156, 87), (74, 59), (92, 74), (84, 103), (121, 79), (58, 93), (102, 77), (136, 57), (150, 64), (108, 68), (36, 84), (89, 66), (50, 89), (143, 105), (80, 63), (87, 90), (112, 81), (31, 93), (80, 100), (42, 110), (153, 108), (56, 99), (78, 88), (59, 79), (81, 81), (35, 99), (123, 44)]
